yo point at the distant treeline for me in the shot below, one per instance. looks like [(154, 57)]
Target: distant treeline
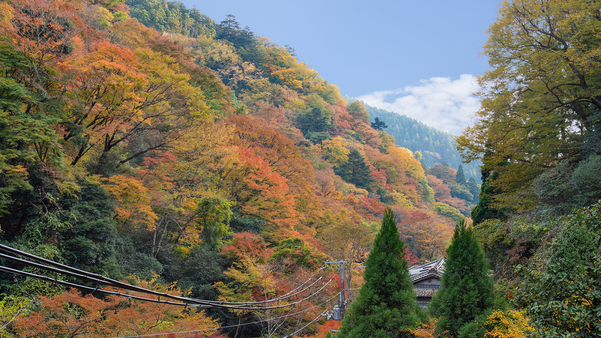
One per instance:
[(435, 145)]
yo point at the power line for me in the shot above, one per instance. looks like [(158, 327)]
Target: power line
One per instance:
[(58, 281), (55, 280), (243, 324), (73, 272), (302, 328), (64, 272)]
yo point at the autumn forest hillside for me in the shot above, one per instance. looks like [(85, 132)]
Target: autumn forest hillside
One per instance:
[(435, 146), (145, 142)]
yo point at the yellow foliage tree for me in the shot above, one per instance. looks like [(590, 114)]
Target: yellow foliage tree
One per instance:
[(133, 201)]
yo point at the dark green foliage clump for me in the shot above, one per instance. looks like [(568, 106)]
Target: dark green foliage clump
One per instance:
[(386, 305), (214, 216), (315, 125), (196, 272), (78, 230), (355, 171), (460, 178), (570, 186), (484, 209), (90, 244), (474, 189), (379, 124), (561, 287), (467, 289)]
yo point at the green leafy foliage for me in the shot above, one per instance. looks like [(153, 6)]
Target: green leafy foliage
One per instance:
[(213, 217), (569, 186), (172, 16), (315, 125), (485, 208), (295, 252), (538, 99), (561, 285), (449, 211)]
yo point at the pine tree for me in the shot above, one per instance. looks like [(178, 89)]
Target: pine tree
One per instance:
[(356, 171), (378, 124), (467, 289), (386, 305), (460, 178), (474, 189)]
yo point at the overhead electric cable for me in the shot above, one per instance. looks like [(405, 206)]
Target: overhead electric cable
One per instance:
[(64, 272), (302, 328), (187, 301), (236, 325), (74, 272), (58, 281)]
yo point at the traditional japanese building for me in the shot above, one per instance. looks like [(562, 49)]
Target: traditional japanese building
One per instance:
[(426, 280)]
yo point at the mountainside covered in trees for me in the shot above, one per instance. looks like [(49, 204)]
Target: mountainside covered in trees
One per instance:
[(435, 146), (143, 141), (538, 135)]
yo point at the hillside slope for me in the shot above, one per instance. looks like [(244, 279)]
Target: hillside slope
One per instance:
[(436, 146), (200, 157)]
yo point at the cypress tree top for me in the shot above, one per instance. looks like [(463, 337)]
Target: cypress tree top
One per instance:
[(386, 305)]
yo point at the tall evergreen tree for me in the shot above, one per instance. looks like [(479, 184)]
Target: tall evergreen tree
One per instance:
[(460, 178), (355, 171), (386, 305), (474, 189), (467, 289), (485, 208)]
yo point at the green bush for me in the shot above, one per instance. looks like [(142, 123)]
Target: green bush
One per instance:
[(561, 287)]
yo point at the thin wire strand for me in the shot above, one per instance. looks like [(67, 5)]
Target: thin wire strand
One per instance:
[(232, 326), (64, 272), (54, 280), (74, 272), (116, 283), (302, 328)]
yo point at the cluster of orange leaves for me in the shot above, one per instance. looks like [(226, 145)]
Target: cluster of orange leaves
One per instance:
[(75, 315)]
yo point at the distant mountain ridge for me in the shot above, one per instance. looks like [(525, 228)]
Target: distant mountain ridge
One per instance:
[(436, 146)]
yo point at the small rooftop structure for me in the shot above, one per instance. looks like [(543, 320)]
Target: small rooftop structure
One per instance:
[(426, 280)]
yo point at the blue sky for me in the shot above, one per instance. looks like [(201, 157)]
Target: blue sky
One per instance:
[(396, 55)]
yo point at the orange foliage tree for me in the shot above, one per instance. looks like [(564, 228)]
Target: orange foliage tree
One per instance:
[(425, 234), (323, 329), (117, 95), (71, 314), (261, 192)]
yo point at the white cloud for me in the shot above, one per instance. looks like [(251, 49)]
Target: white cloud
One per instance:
[(438, 102)]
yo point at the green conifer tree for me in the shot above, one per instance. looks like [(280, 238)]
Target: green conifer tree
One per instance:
[(356, 171), (386, 305), (467, 289), (474, 189), (460, 177)]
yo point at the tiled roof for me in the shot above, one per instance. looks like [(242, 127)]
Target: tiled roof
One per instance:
[(435, 268)]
